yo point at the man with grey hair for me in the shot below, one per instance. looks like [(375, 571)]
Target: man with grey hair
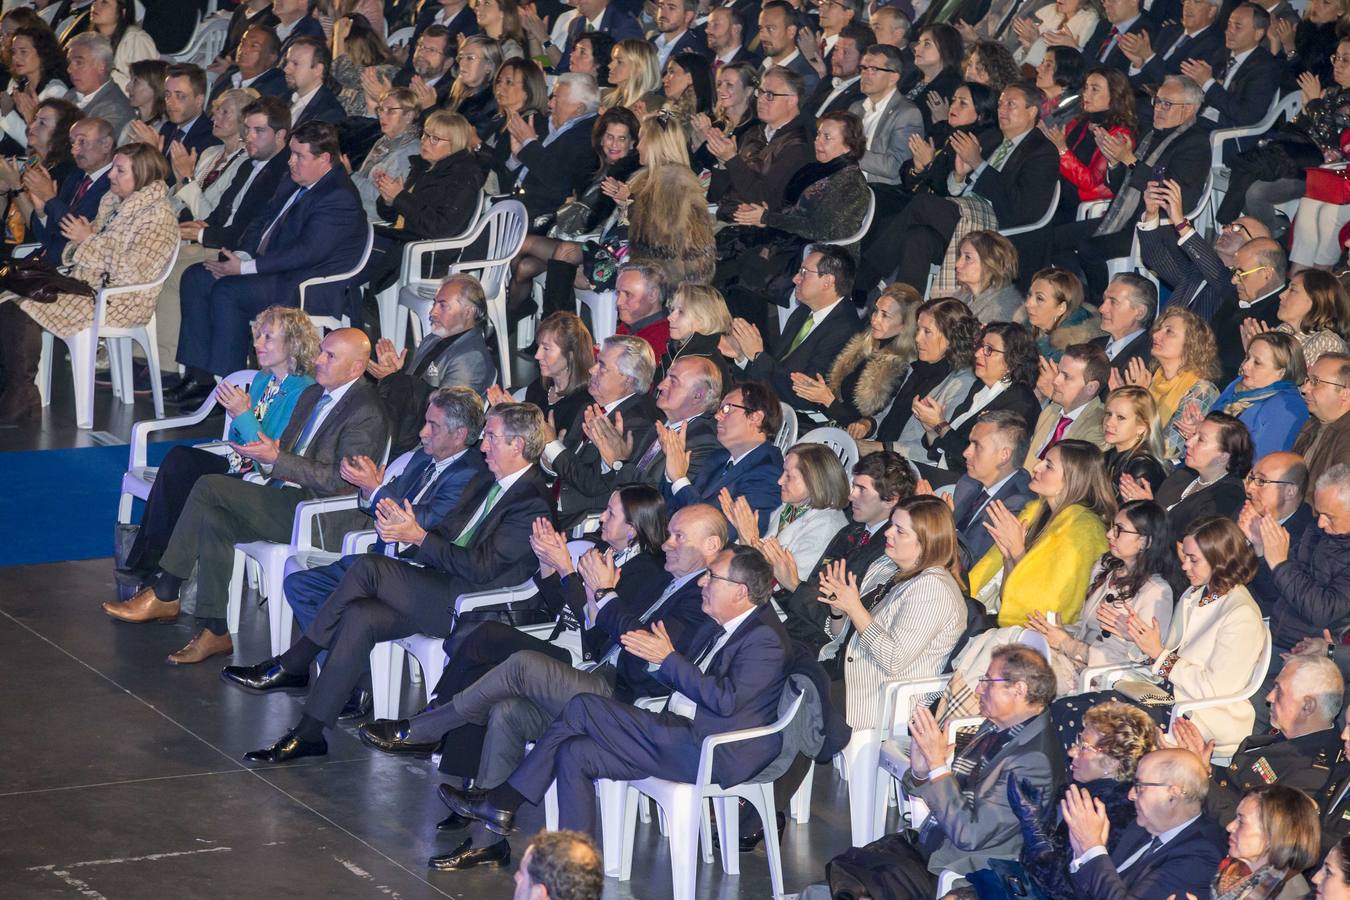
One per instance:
[(550, 169), (998, 444), (1304, 703), (482, 544), (618, 384), (89, 60), (1127, 308), (454, 353), (1195, 37), (640, 296)]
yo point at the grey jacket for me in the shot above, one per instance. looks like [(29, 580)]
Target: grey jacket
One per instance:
[(997, 305), (947, 395), (110, 104), (888, 149), (986, 828), (354, 427)]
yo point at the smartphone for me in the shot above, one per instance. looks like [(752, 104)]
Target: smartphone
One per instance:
[(1159, 174)]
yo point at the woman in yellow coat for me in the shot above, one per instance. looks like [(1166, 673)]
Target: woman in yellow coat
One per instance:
[(1044, 556)]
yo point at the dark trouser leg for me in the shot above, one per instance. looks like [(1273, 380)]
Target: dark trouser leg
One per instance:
[(180, 470), (559, 295), (20, 353), (194, 332), (923, 231), (475, 649), (365, 623), (235, 300), (307, 591)]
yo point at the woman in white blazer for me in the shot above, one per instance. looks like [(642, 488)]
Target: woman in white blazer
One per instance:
[(814, 490), (1072, 21)]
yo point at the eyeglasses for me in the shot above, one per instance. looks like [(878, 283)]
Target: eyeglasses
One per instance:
[(985, 679), (467, 58), (1080, 746), (1166, 105), (1143, 784), (434, 138), (1315, 381), (712, 574), (867, 68), (1243, 273), (728, 407), (1335, 58), (987, 349), (765, 92), (1118, 531), (805, 271), (1260, 481), (1236, 227)]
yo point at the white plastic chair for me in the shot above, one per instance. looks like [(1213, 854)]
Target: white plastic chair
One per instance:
[(504, 226), (331, 322), (787, 432), (386, 670), (604, 312), (1280, 107), (140, 477), (1040, 223), (83, 346), (838, 440), (683, 806), (400, 37), (207, 42), (866, 223)]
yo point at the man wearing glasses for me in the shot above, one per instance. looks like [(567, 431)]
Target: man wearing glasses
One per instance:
[(1325, 438), (1275, 488), (889, 119), (254, 66), (1171, 849), (759, 168)]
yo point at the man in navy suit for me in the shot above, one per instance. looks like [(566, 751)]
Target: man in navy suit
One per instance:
[(294, 21), (596, 15), (998, 445), (306, 70), (558, 165), (749, 465), (255, 66), (1122, 17), (674, 34), (733, 680), (778, 42), (91, 143), (429, 487), (282, 249), (1239, 90), (483, 544), (1195, 37), (1127, 309), (1172, 848), (725, 34), (184, 107)]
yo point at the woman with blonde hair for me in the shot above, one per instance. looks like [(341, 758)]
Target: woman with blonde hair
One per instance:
[(1133, 437), (733, 111), (986, 269), (866, 374), (814, 491), (698, 318), (1055, 311), (287, 344), (395, 148), (1265, 396), (199, 188), (478, 59), (634, 75), (1185, 364)]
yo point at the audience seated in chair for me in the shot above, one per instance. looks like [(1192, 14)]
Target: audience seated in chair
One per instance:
[(1074, 409), (1126, 310), (1133, 439), (89, 62), (1324, 440)]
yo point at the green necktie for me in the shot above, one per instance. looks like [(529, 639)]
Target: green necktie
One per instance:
[(801, 334), (467, 534), (1001, 155)]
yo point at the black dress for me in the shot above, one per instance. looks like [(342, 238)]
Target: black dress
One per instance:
[(568, 407), (694, 345), (1137, 464), (1222, 498)]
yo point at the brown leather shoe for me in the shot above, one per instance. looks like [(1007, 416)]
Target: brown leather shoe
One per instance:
[(144, 607), (202, 647)]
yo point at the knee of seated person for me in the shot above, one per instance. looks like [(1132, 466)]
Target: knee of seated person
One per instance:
[(210, 488)]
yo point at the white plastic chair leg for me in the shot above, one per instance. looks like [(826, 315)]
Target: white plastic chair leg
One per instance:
[(280, 620), (387, 303), (150, 345), (728, 832), (613, 799), (386, 678), (44, 376), (683, 844), (83, 348), (236, 593), (551, 808), (800, 807)]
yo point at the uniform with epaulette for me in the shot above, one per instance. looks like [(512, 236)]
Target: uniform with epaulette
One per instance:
[(1334, 802), (1303, 762)]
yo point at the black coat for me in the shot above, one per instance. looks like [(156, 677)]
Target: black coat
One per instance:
[(481, 111), (217, 233), (1018, 398), (438, 199), (1020, 191), (1302, 762), (1247, 101), (1222, 498), (557, 171), (1139, 348)]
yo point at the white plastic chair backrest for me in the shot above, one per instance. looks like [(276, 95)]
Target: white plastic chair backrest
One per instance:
[(578, 549), (1036, 641), (866, 223), (787, 432), (838, 440), (395, 468), (504, 226), (400, 37), (101, 305), (713, 741), (240, 378), (1043, 221)]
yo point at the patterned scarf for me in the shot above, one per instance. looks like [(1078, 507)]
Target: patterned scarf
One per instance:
[(1169, 392), (1125, 206)]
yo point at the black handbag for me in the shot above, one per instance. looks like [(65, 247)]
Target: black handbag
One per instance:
[(36, 280)]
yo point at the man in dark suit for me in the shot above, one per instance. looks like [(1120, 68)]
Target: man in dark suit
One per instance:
[(482, 544), (255, 66), (306, 70), (1127, 308), (245, 16), (733, 680), (594, 15), (1196, 36), (79, 194), (517, 699), (1334, 800), (1172, 848), (184, 103), (337, 418), (841, 90), (778, 43), (1239, 91), (277, 252), (880, 481), (750, 464), (455, 16), (819, 327), (433, 63), (1275, 487), (89, 63), (1018, 180), (618, 384), (552, 168), (674, 31), (998, 444), (432, 483), (725, 31), (294, 21), (1123, 17)]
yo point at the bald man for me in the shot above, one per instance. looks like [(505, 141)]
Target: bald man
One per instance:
[(337, 418)]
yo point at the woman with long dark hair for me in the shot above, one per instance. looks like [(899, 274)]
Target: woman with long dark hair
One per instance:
[(116, 21), (937, 70), (37, 67), (1108, 103)]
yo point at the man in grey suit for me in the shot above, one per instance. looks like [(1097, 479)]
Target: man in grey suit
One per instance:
[(889, 119), (454, 354), (90, 62), (998, 444), (337, 418)]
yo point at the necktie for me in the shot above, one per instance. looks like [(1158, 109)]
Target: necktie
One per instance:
[(1001, 155), (801, 334), (653, 449), (1106, 44), (80, 192), (423, 482), (1152, 847), (467, 534), (590, 27), (231, 198), (614, 651), (1063, 426), (308, 432), (214, 175), (717, 64), (1178, 45), (272, 229), (975, 509)]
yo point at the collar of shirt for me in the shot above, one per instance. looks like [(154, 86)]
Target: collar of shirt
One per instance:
[(443, 464), (735, 461), (1248, 304), (875, 106), (1073, 414), (1237, 62), (662, 42), (283, 30), (997, 486), (594, 24), (302, 102), (505, 483), (186, 127), (769, 62), (1016, 142), (818, 316), (1173, 832), (340, 391), (727, 57), (443, 16), (613, 405), (1116, 345), (644, 323), (842, 84), (245, 82), (729, 627), (877, 526), (96, 175), (81, 99), (1125, 26)]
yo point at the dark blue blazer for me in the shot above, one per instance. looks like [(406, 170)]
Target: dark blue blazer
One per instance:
[(740, 689), (255, 202), (49, 235), (692, 41), (199, 136), (324, 106), (755, 477), (270, 84), (445, 491), (1186, 863), (331, 209), (306, 26), (975, 538), (644, 578), (613, 21), (1207, 45), (685, 622)]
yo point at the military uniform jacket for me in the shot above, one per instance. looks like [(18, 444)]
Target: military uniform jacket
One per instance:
[(1303, 762)]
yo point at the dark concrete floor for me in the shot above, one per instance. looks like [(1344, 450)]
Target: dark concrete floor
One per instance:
[(121, 777)]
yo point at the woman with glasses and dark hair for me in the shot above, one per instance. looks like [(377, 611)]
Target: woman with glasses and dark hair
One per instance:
[(1132, 578), (1218, 457)]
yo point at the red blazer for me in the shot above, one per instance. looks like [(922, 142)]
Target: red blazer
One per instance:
[(1090, 179), (657, 334)]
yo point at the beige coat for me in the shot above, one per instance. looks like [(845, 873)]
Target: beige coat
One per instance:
[(132, 242)]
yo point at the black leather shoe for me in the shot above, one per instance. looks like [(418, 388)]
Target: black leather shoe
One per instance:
[(288, 748), (183, 388), (475, 805), (391, 736), (359, 705), (267, 675), (466, 856), (452, 822), (192, 396), (750, 839)]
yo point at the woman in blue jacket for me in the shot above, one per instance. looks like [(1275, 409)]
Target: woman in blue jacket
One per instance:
[(286, 343), (1265, 395)]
